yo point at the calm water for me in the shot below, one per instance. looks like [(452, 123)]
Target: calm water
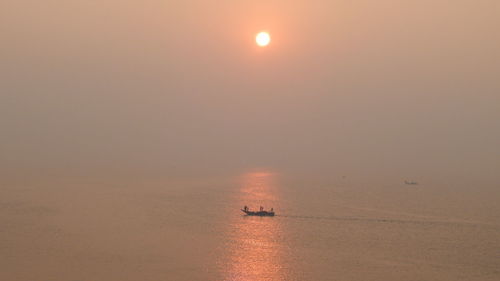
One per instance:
[(335, 229)]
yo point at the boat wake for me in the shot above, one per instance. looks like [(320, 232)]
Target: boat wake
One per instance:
[(388, 220)]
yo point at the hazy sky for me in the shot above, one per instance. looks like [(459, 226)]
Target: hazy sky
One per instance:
[(387, 87)]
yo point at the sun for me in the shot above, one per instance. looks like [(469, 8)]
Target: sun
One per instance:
[(263, 39)]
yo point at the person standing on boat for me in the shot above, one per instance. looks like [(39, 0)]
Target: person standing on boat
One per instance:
[(245, 208), (261, 208)]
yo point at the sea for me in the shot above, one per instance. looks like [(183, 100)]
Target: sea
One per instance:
[(334, 227)]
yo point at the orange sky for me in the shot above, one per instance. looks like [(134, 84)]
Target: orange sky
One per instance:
[(163, 85)]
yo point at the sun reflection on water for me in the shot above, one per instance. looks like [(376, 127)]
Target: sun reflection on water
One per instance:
[(255, 250)]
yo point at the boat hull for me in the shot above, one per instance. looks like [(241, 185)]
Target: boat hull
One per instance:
[(259, 213)]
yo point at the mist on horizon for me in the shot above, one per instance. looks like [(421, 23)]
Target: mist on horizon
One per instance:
[(372, 88)]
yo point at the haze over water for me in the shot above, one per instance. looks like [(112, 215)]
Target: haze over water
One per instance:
[(133, 132), (332, 228)]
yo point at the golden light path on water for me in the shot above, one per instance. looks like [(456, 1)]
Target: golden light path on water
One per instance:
[(255, 249)]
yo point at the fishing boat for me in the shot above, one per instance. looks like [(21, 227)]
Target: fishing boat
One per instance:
[(261, 213)]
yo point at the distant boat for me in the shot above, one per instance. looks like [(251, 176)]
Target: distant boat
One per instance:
[(261, 213), (411, 182)]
